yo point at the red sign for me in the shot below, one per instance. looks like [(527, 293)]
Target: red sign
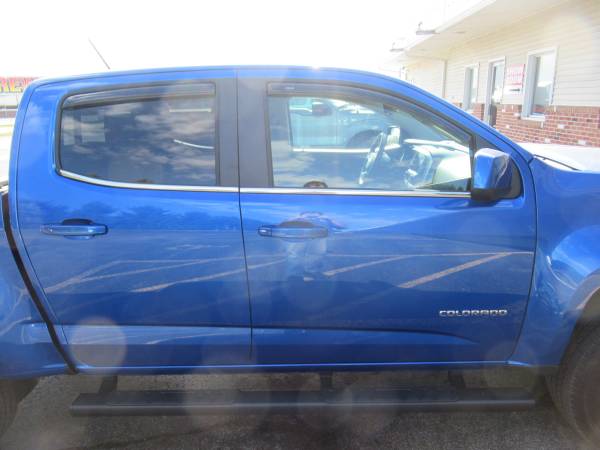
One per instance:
[(513, 82), (14, 85)]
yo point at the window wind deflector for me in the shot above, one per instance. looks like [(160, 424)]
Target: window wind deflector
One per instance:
[(311, 89), (139, 93)]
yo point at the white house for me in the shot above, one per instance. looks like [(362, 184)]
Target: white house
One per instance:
[(531, 68)]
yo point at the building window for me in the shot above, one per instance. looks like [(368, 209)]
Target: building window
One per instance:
[(470, 94), (540, 83)]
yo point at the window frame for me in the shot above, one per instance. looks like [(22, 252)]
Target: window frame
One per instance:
[(303, 88), (108, 95), (528, 85), (471, 68)]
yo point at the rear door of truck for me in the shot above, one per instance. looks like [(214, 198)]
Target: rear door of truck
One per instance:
[(127, 209)]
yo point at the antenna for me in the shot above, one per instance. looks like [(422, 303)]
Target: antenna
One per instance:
[(98, 53)]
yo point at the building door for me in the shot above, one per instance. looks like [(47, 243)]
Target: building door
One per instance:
[(494, 94)]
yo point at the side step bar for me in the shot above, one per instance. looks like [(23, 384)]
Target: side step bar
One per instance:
[(149, 403)]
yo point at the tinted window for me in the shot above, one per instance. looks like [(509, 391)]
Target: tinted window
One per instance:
[(157, 141), (320, 142)]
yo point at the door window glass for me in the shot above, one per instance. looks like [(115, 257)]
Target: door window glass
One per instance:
[(326, 142), (165, 141)]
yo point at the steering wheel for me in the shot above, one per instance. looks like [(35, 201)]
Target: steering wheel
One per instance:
[(374, 155)]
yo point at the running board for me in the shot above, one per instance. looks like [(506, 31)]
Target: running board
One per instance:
[(150, 403)]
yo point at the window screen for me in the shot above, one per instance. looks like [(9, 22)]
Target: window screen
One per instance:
[(163, 140)]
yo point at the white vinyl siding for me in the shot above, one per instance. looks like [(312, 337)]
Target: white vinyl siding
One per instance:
[(428, 75), (573, 28)]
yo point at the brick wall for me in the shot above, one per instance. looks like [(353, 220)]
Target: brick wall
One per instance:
[(573, 125), (477, 109), (7, 113), (570, 125)]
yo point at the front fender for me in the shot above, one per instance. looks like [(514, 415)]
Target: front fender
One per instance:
[(567, 262)]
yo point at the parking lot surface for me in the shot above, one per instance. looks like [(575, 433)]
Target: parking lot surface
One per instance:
[(43, 422)]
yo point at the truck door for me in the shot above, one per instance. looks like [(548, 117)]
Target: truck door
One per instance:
[(127, 204), (376, 254)]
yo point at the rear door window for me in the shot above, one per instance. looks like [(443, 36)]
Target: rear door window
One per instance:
[(167, 139)]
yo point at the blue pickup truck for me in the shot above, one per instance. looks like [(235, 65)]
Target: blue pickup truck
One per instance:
[(252, 219)]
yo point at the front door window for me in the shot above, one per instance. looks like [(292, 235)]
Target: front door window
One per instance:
[(330, 142)]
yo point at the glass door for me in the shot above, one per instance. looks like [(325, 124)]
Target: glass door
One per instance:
[(495, 85)]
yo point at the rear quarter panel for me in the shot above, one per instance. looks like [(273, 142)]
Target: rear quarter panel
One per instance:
[(26, 349)]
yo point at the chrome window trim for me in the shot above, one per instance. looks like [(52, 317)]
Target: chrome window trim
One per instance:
[(262, 190), (354, 192), (148, 187)]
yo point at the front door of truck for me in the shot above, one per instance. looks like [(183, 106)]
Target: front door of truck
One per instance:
[(130, 218), (371, 250)]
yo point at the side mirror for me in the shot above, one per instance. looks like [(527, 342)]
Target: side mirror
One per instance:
[(492, 175)]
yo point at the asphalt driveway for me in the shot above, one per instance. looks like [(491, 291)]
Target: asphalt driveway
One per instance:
[(44, 423)]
